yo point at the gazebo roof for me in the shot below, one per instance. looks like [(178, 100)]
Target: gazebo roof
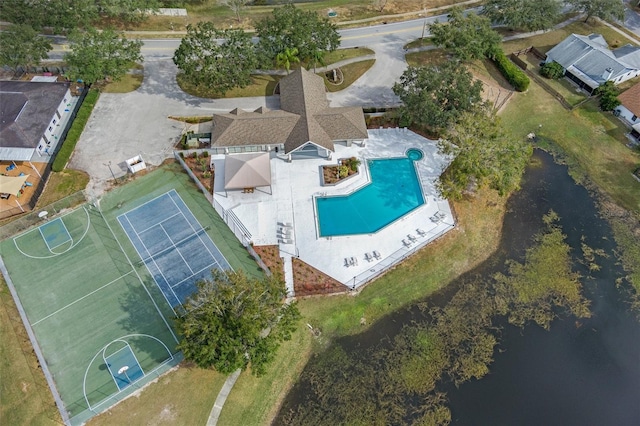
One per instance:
[(248, 170)]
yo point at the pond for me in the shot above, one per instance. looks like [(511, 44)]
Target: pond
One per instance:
[(580, 372)]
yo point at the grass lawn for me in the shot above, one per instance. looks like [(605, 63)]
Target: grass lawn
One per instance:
[(184, 396), (594, 140), (128, 83), (421, 42), (348, 10), (351, 73), (62, 184), (256, 401), (24, 395)]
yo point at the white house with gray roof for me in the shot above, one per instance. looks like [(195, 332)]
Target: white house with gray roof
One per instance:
[(588, 61)]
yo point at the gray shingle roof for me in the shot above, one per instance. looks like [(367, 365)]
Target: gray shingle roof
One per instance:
[(305, 117), (26, 108), (590, 57)]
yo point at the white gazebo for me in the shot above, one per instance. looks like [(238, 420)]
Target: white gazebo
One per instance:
[(247, 171)]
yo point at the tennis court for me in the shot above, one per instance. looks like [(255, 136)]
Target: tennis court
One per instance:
[(173, 245), (100, 330)]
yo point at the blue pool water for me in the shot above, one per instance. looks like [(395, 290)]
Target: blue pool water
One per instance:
[(393, 192), (415, 154)]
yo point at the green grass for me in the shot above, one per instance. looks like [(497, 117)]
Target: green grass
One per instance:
[(128, 83), (24, 396), (184, 396), (62, 184), (594, 140), (421, 42), (351, 73)]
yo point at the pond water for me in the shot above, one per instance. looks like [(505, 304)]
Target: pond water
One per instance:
[(583, 372)]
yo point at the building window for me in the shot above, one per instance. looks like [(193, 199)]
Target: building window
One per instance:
[(50, 128), (54, 121), (634, 118)]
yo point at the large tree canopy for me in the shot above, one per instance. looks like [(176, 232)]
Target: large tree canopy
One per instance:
[(290, 27), (524, 15), (96, 55), (235, 322), (218, 59), (485, 155), (608, 10), (466, 37), (20, 45), (436, 95)]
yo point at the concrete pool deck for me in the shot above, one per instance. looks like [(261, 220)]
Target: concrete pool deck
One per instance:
[(294, 185)]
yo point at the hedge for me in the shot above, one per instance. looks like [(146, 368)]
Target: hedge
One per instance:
[(73, 135), (511, 72)]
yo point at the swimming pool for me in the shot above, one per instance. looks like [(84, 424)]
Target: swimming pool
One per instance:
[(393, 192)]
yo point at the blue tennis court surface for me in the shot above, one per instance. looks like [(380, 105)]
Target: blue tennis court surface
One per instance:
[(124, 367), (55, 233), (173, 245)]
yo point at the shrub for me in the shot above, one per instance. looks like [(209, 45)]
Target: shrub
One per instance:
[(205, 154), (343, 171), (511, 72), (194, 154), (73, 135), (352, 163), (552, 70), (608, 93)]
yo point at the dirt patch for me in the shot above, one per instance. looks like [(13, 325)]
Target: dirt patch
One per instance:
[(200, 167), (270, 255), (308, 281)]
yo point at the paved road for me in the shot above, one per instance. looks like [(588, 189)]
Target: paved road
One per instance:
[(632, 18)]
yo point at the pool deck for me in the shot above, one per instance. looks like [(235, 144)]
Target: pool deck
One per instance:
[(294, 185)]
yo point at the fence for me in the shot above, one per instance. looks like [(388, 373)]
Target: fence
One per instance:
[(31, 219), (394, 258)]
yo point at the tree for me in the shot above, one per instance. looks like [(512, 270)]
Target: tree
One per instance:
[(552, 70), (97, 55), (291, 27), (466, 37), (218, 59), (60, 15), (485, 155), (235, 5), (436, 95), (607, 10), (20, 45), (524, 15), (287, 57), (608, 93), (235, 321)]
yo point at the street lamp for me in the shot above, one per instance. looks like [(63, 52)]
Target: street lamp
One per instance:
[(112, 175)]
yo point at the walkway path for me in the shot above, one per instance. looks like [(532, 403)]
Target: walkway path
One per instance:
[(222, 397)]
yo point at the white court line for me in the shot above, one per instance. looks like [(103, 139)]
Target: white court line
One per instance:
[(83, 297), (155, 263), (156, 224), (140, 278), (199, 234), (196, 273), (176, 249)]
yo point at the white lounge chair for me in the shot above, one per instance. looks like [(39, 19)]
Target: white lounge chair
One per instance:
[(421, 232), (411, 238), (353, 261), (368, 257), (376, 254), (406, 243), (346, 262)]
